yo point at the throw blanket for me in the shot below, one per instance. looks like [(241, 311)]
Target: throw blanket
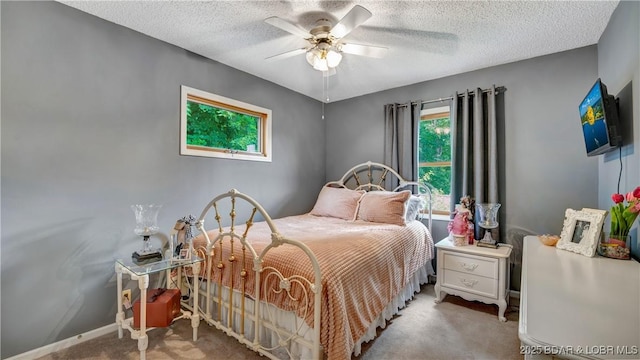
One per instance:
[(364, 266)]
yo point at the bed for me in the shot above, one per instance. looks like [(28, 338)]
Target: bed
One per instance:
[(348, 265)]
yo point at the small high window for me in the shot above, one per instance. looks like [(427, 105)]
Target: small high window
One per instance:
[(215, 126)]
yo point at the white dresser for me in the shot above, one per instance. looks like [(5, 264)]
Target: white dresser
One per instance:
[(577, 307), (473, 273)]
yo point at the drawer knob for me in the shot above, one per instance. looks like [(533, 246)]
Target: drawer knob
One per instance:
[(469, 267), (468, 283)]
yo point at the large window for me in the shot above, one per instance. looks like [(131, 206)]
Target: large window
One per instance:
[(215, 126), (434, 155)]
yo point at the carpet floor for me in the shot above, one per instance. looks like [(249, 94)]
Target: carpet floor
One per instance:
[(453, 329)]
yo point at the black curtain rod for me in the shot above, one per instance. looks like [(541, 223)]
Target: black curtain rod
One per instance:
[(498, 90)]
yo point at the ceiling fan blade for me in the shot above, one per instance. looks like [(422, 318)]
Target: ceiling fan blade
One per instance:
[(354, 18), (287, 54), (364, 50), (287, 26)]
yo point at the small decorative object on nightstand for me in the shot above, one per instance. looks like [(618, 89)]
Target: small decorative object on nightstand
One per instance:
[(461, 227), (146, 225), (181, 238), (488, 220), (474, 273)]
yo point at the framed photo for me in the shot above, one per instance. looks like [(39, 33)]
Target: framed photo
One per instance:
[(581, 231), (602, 214), (185, 253), (180, 247)]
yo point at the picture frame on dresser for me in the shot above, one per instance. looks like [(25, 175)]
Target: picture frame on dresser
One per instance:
[(581, 231)]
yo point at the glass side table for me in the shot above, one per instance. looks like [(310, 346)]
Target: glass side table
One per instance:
[(141, 272)]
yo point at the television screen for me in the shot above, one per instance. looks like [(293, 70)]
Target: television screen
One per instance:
[(599, 120)]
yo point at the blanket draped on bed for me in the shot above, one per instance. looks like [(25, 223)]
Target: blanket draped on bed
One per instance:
[(364, 266)]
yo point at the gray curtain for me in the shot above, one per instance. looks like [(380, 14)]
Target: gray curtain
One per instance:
[(475, 150), (401, 122)]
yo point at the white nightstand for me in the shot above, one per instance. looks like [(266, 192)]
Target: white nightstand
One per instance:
[(474, 273)]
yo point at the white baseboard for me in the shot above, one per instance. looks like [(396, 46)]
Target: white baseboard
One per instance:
[(66, 343)]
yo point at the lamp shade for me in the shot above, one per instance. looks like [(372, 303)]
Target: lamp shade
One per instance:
[(146, 219), (323, 56), (333, 58)]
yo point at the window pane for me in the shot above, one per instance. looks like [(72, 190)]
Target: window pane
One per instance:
[(435, 140), (435, 156), (440, 179), (214, 127)]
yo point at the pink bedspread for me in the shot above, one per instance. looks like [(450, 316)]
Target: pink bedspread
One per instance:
[(364, 266)]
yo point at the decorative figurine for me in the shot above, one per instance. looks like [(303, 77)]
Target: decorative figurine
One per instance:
[(182, 235), (461, 227)]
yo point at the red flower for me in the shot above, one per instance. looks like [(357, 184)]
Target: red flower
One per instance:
[(617, 198), (623, 216)]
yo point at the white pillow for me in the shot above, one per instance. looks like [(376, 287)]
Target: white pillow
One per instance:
[(414, 205), (337, 202), (384, 207)]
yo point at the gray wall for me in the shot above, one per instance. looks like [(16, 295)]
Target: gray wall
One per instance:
[(544, 165), (90, 121), (90, 125), (619, 68)]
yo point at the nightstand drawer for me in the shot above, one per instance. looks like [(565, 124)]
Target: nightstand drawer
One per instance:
[(476, 265), (470, 283)]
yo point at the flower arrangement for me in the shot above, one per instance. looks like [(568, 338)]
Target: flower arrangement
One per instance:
[(622, 219), (623, 216)]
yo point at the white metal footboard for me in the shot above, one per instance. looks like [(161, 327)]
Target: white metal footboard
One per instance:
[(248, 316)]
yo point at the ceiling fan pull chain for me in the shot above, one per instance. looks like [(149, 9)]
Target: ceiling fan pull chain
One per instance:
[(327, 94), (324, 93)]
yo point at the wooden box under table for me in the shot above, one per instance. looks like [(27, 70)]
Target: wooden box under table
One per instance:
[(161, 308)]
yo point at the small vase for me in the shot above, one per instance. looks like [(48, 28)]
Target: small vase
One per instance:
[(615, 246)]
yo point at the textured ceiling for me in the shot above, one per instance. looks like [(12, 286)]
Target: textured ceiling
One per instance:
[(426, 39)]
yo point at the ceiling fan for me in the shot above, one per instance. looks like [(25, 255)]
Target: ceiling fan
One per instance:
[(326, 44)]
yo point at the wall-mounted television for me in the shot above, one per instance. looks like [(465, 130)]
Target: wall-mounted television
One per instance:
[(599, 121)]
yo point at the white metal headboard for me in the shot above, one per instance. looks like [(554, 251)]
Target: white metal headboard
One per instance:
[(372, 176)]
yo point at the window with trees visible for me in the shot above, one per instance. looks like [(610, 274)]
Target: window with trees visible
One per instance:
[(434, 155), (215, 126)]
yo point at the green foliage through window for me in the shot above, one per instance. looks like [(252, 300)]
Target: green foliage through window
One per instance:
[(214, 127), (434, 154)]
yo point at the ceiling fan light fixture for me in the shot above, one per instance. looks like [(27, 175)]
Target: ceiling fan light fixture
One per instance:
[(310, 56), (333, 58), (323, 57), (324, 52), (315, 57), (320, 65)]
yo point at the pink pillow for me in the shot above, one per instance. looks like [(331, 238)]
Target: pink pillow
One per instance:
[(384, 207), (337, 202)]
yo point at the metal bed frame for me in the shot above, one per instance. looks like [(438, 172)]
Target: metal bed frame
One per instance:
[(249, 318)]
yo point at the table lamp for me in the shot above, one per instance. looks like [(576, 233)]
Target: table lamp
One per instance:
[(487, 219), (146, 225)]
